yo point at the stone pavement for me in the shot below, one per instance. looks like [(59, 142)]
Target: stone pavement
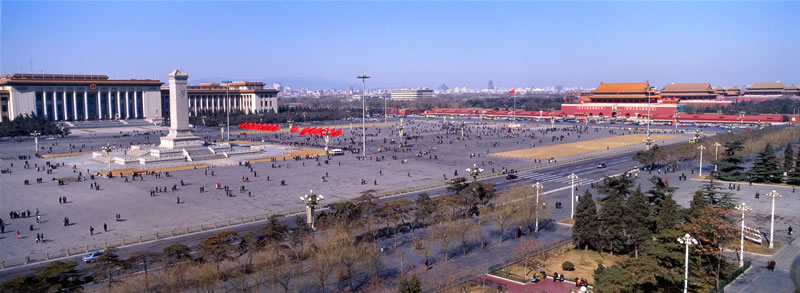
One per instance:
[(759, 279)]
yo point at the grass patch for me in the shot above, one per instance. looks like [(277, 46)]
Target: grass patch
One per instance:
[(585, 263), (355, 125), (64, 155), (129, 171), (752, 247), (568, 221), (579, 147)]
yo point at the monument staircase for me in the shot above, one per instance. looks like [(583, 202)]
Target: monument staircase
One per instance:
[(201, 153)]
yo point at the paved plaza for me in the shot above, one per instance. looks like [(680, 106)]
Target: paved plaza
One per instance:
[(434, 154)]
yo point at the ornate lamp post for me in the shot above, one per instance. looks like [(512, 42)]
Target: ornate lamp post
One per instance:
[(572, 198), (222, 131), (701, 148), (686, 240), (36, 135), (108, 149), (773, 194), (400, 128), (475, 172), (462, 130), (538, 187), (648, 142), (364, 112), (742, 207), (311, 201), (716, 150)]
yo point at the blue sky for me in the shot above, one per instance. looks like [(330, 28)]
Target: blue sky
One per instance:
[(326, 44)]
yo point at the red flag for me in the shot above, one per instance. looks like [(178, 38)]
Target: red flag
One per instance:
[(565, 99), (304, 131), (513, 91), (295, 129), (340, 131)]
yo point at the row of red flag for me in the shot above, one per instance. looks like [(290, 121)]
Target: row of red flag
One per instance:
[(333, 132), (260, 126), (306, 130)]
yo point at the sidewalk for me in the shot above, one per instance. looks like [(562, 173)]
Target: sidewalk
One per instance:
[(759, 279)]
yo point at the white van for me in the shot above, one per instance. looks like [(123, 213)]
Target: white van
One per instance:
[(336, 152)]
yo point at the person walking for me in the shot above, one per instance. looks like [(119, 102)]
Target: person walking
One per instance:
[(18, 234), (179, 200), (105, 227), (91, 230)]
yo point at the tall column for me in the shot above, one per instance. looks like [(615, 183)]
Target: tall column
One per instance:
[(136, 104), (55, 106), (64, 100), (85, 105), (99, 106), (127, 106), (44, 103), (75, 105), (119, 105)]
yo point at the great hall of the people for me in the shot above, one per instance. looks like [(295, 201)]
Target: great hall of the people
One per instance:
[(76, 97)]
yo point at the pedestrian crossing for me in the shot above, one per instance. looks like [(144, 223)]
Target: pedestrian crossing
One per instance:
[(545, 177)]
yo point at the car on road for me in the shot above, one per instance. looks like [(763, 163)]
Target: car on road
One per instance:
[(511, 176), (601, 165), (92, 256)]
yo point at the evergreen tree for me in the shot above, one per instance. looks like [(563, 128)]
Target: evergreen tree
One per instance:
[(698, 203), (410, 285), (585, 232), (794, 176), (659, 191), (712, 192), (638, 211), (612, 279), (612, 223), (729, 165), (788, 158), (666, 214), (619, 186), (765, 168)]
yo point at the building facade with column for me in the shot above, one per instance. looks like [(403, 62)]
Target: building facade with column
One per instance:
[(248, 97), (77, 97), (411, 94)]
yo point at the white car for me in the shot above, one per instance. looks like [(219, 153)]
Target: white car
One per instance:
[(92, 256)]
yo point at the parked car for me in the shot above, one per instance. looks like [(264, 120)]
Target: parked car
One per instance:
[(511, 176), (601, 165), (92, 256)]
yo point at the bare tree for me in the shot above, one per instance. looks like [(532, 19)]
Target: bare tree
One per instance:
[(502, 214), (322, 260)]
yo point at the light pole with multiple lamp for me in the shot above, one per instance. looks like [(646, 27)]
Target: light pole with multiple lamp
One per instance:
[(716, 158), (311, 200), (572, 198), (364, 111), (36, 135), (108, 149), (228, 102), (772, 194), (538, 186), (742, 207), (474, 172), (686, 240), (222, 131), (701, 148)]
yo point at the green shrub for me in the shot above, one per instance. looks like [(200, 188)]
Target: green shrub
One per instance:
[(568, 266)]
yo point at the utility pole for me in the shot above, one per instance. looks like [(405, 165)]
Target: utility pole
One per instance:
[(572, 198), (701, 148), (228, 102), (774, 194), (716, 159), (742, 207), (538, 187), (686, 240)]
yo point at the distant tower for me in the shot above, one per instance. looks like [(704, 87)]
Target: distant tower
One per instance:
[(277, 86), (491, 85)]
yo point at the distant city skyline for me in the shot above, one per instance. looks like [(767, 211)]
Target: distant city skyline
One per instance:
[(321, 45)]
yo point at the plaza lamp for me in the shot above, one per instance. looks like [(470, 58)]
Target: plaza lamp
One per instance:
[(701, 148), (364, 112), (222, 131), (311, 200), (475, 172), (538, 187), (686, 240), (716, 149), (742, 207), (108, 149), (228, 102), (36, 135), (572, 198), (772, 194)]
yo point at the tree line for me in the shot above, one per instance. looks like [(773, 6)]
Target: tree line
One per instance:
[(24, 125)]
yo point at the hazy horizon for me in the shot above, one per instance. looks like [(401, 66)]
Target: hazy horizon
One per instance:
[(411, 44)]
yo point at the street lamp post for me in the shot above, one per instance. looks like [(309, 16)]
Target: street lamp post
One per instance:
[(474, 172), (686, 240), (742, 207), (701, 148), (36, 135), (572, 198), (773, 194), (364, 112), (649, 89), (716, 149), (538, 186), (222, 131), (311, 200), (108, 149), (228, 102), (384, 109)]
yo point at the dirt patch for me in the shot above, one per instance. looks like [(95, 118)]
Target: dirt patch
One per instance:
[(246, 142), (64, 155), (752, 247), (585, 263), (129, 171), (580, 147), (355, 125)]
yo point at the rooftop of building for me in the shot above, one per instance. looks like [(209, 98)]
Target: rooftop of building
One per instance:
[(622, 88), (42, 78), (766, 86), (688, 87)]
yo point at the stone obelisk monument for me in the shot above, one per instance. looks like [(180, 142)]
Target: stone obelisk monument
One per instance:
[(179, 133)]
